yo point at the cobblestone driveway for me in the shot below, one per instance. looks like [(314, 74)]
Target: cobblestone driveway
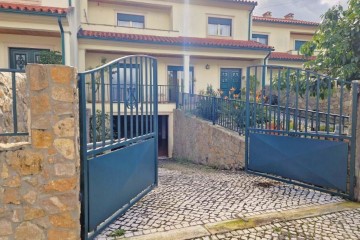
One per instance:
[(190, 195)]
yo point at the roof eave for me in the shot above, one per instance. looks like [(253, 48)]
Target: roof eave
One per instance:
[(171, 44), (27, 12), (274, 22)]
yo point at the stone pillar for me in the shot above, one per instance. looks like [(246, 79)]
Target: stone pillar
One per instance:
[(40, 180), (357, 145)]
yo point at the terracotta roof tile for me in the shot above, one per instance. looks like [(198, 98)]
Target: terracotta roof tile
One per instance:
[(284, 21), (33, 8), (180, 41), (289, 57)]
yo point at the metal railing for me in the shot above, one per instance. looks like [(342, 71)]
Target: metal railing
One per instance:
[(113, 93), (15, 131), (231, 114)]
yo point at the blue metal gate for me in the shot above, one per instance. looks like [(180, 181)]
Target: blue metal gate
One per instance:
[(118, 126), (300, 128)]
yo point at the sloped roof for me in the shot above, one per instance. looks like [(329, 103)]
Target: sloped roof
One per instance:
[(281, 56), (22, 8), (284, 21), (178, 41)]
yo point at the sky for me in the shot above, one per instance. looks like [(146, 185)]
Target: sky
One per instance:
[(309, 10)]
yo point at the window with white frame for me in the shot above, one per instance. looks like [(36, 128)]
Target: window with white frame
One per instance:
[(130, 20), (261, 38), (219, 27)]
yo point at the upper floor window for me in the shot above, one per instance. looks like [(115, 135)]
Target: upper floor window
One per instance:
[(298, 44), (130, 20), (219, 27), (261, 38)]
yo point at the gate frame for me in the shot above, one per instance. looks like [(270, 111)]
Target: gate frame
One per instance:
[(350, 160), (84, 175)]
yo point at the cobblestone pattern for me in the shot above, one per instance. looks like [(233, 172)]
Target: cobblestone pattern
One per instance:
[(340, 226), (40, 180), (204, 143), (190, 195)]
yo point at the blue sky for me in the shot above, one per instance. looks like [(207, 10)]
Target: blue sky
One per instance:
[(310, 10)]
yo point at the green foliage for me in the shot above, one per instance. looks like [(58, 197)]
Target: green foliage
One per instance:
[(299, 81), (338, 43), (206, 103), (50, 57), (117, 233), (99, 124)]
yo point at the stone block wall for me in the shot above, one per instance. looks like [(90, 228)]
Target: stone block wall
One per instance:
[(203, 143), (40, 179)]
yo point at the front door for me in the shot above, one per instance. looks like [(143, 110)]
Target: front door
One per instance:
[(230, 81), (20, 57)]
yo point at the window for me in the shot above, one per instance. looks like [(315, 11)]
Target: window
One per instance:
[(130, 20), (20, 57), (261, 38), (298, 44), (219, 27)]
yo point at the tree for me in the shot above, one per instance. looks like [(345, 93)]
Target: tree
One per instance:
[(338, 43), (50, 57)]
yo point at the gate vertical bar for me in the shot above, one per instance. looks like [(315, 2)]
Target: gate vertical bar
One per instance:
[(247, 118), (83, 159), (354, 111), (155, 89)]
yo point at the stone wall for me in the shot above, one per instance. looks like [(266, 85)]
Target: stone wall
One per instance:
[(40, 179), (203, 143), (323, 103), (6, 106)]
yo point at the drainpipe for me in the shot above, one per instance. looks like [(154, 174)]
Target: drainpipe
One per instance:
[(70, 3), (266, 58), (62, 40), (250, 23)]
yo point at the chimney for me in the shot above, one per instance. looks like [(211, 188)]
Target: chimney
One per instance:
[(267, 14), (289, 16)]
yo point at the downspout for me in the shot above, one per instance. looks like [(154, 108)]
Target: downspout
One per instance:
[(266, 58), (250, 23), (62, 40), (70, 4)]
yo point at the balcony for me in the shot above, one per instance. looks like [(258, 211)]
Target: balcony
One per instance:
[(114, 93)]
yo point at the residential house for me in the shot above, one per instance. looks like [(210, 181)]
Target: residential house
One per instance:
[(197, 43), (286, 35)]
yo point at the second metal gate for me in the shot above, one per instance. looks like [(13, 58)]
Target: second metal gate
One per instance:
[(300, 128)]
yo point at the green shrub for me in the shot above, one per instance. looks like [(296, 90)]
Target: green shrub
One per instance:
[(50, 57)]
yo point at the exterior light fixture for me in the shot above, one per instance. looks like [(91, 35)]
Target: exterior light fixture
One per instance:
[(207, 66)]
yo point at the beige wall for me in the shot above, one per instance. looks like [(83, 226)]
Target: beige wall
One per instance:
[(21, 41), (189, 20), (282, 36), (155, 18)]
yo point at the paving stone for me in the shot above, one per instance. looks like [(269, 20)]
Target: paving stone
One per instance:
[(190, 195)]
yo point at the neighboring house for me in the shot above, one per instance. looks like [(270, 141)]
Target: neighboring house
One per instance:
[(196, 42), (286, 35)]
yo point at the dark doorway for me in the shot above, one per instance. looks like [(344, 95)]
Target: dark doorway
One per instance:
[(163, 136)]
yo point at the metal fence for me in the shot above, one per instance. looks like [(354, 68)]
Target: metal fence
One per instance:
[(231, 114), (15, 130)]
